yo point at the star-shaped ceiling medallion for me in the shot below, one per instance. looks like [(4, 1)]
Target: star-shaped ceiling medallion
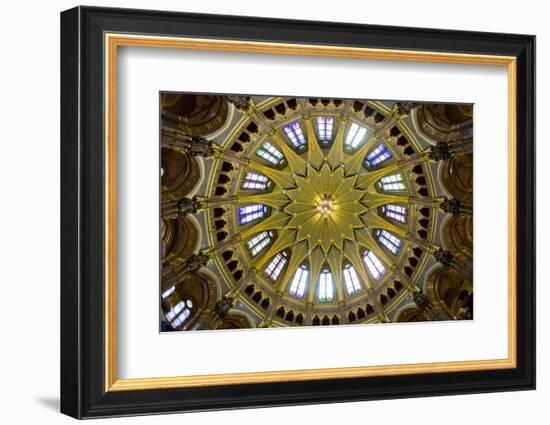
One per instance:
[(325, 207)]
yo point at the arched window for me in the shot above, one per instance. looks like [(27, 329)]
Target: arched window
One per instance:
[(274, 268), (389, 240), (251, 213), (378, 155), (168, 292), (259, 242), (298, 285), (326, 286), (352, 280), (356, 135), (254, 181), (179, 313), (375, 266), (395, 212), (392, 183), (295, 134), (325, 126), (270, 153)]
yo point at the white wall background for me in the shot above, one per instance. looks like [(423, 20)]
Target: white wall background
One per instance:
[(29, 224)]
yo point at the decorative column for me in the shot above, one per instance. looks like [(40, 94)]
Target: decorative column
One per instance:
[(270, 312), (308, 313), (198, 146), (179, 208), (426, 202), (455, 207), (447, 259), (195, 261), (174, 274), (423, 303), (242, 103), (400, 111), (440, 152), (449, 206), (378, 307), (414, 159), (442, 256), (426, 306), (462, 146), (222, 246), (238, 289), (411, 237), (185, 206), (444, 151), (342, 312), (211, 319)]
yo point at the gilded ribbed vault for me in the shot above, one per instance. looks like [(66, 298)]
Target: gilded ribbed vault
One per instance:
[(317, 211)]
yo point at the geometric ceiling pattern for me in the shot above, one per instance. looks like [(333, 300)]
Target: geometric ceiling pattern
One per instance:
[(303, 211)]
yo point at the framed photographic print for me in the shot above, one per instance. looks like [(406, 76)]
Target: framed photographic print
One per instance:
[(261, 212)]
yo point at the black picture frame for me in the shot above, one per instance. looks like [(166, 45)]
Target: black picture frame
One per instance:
[(83, 392)]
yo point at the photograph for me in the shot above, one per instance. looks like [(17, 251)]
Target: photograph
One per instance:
[(275, 213), (282, 211)]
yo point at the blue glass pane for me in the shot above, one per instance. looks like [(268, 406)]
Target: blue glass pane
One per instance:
[(378, 155)]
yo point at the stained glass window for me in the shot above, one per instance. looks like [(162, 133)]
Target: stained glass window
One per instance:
[(392, 183), (277, 264), (299, 282), (295, 134), (251, 213), (254, 181), (168, 292), (390, 241), (378, 155), (270, 153), (326, 286), (375, 266), (356, 135), (352, 280), (259, 242), (396, 212), (325, 126), (179, 313)]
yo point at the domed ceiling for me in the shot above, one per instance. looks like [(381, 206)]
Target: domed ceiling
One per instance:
[(282, 212)]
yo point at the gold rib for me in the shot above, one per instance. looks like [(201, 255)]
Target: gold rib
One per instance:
[(275, 199), (278, 177), (273, 222), (367, 240), (374, 199), (335, 156), (368, 179), (315, 155), (334, 260), (284, 240), (351, 251), (296, 163), (297, 255), (377, 222), (354, 163), (315, 264)]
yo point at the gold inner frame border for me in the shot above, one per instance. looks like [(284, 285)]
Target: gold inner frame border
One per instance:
[(112, 41)]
